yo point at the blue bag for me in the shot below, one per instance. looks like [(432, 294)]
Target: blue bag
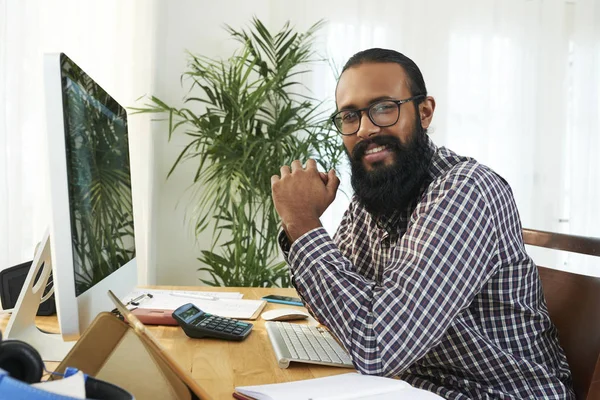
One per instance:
[(14, 389)]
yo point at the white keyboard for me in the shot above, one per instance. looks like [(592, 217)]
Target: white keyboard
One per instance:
[(306, 344)]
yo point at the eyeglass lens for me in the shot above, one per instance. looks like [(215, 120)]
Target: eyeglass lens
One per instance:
[(382, 114)]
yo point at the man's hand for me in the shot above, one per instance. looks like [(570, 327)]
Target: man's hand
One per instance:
[(302, 195)]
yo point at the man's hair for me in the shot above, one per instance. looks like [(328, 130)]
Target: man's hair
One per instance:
[(416, 83)]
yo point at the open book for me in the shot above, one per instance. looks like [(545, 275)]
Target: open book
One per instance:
[(337, 387)]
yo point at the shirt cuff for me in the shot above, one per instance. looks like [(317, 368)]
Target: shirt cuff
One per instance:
[(284, 244)]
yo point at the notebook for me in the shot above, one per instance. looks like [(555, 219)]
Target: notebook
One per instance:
[(337, 387)]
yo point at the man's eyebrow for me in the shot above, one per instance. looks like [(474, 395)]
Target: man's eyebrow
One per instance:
[(374, 100)]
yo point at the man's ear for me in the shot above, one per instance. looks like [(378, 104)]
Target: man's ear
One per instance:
[(426, 109)]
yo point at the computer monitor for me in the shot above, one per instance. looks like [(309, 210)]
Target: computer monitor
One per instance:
[(91, 233)]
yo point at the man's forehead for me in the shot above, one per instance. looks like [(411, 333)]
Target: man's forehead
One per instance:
[(362, 83)]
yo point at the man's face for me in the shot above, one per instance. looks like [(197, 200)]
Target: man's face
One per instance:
[(388, 164)]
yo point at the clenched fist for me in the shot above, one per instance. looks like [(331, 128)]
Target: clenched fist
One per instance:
[(302, 195)]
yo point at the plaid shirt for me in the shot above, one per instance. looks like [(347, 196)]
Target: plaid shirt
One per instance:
[(442, 294)]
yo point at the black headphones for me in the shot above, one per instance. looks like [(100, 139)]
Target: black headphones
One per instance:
[(21, 361)]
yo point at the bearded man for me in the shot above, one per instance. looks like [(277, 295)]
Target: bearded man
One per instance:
[(427, 278)]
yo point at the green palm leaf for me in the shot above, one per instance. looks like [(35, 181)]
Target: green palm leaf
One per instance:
[(252, 124)]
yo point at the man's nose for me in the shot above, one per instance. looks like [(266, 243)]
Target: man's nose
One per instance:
[(367, 127)]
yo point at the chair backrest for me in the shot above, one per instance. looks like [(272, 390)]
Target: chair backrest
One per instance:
[(574, 305)]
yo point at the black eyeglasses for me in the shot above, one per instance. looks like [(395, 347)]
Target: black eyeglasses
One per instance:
[(383, 114)]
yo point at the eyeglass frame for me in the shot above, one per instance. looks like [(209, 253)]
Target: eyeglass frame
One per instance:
[(368, 109)]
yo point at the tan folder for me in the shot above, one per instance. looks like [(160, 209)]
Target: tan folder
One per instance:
[(128, 356)]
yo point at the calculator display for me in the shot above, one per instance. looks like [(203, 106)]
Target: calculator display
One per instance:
[(188, 313)]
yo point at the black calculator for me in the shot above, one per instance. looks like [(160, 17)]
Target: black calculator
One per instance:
[(198, 324)]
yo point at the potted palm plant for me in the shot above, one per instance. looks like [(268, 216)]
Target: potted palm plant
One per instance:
[(255, 119)]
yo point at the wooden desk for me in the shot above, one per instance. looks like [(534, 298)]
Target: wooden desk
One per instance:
[(217, 365)]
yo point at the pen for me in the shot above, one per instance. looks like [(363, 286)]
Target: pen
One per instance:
[(195, 296), (135, 301)]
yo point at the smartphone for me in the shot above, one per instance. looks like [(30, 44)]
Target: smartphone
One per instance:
[(293, 301)]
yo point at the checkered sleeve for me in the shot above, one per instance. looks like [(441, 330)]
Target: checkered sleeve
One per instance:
[(439, 265), (342, 235)]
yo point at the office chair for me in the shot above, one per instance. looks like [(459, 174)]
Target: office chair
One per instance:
[(574, 305)]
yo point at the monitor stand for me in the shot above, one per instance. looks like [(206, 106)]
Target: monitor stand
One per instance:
[(21, 325)]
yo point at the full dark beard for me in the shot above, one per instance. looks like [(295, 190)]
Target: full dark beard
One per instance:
[(385, 189)]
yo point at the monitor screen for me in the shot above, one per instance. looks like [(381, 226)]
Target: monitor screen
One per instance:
[(98, 177)]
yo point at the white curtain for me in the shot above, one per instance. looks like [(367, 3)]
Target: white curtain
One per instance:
[(517, 84), (112, 41), (23, 184), (583, 130)]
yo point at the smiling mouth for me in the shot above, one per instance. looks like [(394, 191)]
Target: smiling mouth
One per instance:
[(375, 150)]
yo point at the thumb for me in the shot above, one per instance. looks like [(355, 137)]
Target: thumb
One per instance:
[(332, 182)]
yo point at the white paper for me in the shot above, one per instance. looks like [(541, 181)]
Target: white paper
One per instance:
[(229, 304), (73, 386), (138, 291), (410, 393), (339, 387)]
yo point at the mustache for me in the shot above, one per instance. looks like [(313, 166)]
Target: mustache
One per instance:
[(391, 142)]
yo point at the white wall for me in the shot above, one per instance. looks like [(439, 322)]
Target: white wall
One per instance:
[(499, 70), (196, 26)]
